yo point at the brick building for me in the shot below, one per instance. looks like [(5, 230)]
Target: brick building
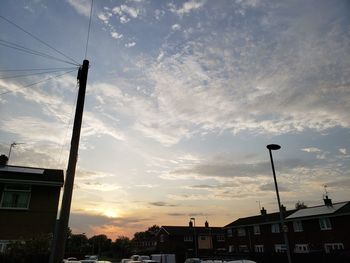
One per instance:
[(187, 241), (29, 202), (322, 229)]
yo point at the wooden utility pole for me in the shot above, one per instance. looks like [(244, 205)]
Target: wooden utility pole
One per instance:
[(60, 236)]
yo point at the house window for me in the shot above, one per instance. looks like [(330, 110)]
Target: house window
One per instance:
[(220, 238), (297, 226), (203, 238), (231, 248), (301, 248), (256, 230), (243, 248), (16, 196), (241, 232), (259, 248), (280, 248), (188, 238), (229, 232), (3, 244), (330, 247), (275, 228), (325, 223), (161, 238)]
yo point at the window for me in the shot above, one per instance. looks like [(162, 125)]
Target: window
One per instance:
[(3, 244), (280, 248), (275, 228), (243, 248), (161, 238), (301, 248), (220, 238), (297, 226), (231, 248), (188, 238), (329, 247), (16, 196), (257, 230), (259, 248), (241, 232), (203, 238), (229, 232), (325, 223)]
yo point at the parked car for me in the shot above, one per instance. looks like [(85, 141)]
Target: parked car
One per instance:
[(71, 260), (125, 260)]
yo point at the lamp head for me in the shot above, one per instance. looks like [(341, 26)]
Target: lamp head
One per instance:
[(273, 147)]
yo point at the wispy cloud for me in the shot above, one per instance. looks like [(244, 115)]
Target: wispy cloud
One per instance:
[(187, 7), (311, 150), (81, 6)]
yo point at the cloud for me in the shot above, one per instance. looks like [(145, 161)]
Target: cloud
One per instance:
[(271, 187), (161, 204), (343, 151), (81, 6), (101, 187), (187, 7), (116, 35), (176, 27), (233, 170), (311, 150), (105, 17), (93, 224), (125, 13), (130, 44), (339, 184)]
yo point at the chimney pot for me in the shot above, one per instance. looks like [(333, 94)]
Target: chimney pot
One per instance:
[(327, 201), (283, 208), (263, 211), (3, 160), (206, 224), (190, 224)]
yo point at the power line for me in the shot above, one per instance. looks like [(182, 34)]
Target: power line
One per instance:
[(36, 38), (32, 51), (30, 74), (88, 34), (38, 82), (32, 69)]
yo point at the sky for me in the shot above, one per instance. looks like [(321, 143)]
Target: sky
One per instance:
[(182, 99)]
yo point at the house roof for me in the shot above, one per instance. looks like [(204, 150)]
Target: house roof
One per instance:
[(31, 175), (335, 209), (186, 230), (259, 219), (318, 210)]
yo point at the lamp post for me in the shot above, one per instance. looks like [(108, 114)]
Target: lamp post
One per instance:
[(195, 238), (275, 147)]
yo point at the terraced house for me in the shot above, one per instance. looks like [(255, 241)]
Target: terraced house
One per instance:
[(318, 229)]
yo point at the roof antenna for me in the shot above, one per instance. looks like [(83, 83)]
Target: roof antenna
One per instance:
[(258, 201), (14, 144), (327, 201), (325, 195)]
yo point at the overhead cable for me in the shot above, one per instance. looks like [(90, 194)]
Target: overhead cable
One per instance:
[(38, 82), (37, 38), (32, 51)]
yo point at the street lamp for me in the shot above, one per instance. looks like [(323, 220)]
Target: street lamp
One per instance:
[(275, 147), (195, 238)]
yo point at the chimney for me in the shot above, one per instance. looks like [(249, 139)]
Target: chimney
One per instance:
[(3, 160), (263, 211), (190, 224), (206, 224), (327, 201), (283, 208)]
